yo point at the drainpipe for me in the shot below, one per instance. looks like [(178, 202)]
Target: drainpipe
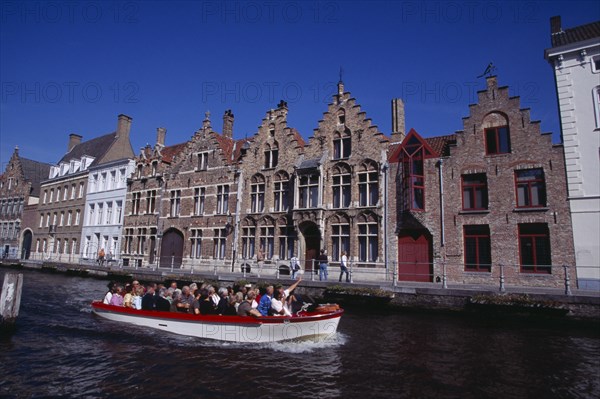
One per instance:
[(384, 170), (236, 224), (442, 237)]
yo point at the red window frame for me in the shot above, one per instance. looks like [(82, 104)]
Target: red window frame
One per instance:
[(472, 187), (537, 237), (529, 185), (497, 140), (482, 237), (412, 181)]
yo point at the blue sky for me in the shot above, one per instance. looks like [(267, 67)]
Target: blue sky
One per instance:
[(69, 67)]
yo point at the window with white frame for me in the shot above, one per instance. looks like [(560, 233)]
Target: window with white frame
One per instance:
[(196, 243), (368, 185), (596, 95), (220, 236), (281, 192), (77, 215), (202, 161), (367, 238), (257, 194), (109, 211), (199, 199), (308, 191), (267, 240), (271, 155), (286, 242), (222, 199), (340, 238), (66, 193), (175, 203), (341, 186), (69, 218), (150, 201), (248, 240), (119, 212)]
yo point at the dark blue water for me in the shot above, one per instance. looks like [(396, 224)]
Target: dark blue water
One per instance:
[(59, 348)]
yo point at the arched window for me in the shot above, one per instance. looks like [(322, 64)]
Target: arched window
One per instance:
[(342, 145), (196, 243), (368, 184), (341, 186), (267, 237), (596, 95), (413, 176), (257, 194), (496, 132), (368, 242), (248, 238), (341, 117), (271, 155), (340, 236), (281, 191), (286, 238)]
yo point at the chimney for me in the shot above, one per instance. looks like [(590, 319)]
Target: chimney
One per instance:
[(123, 126), (161, 133), (555, 24), (228, 124), (74, 139), (398, 127)]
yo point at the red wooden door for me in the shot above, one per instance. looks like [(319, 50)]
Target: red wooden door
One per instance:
[(414, 258)]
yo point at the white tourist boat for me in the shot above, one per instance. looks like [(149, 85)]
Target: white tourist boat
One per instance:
[(322, 322)]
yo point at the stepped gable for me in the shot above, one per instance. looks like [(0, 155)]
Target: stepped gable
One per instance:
[(343, 100)]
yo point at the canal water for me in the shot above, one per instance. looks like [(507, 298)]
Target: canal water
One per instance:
[(59, 348)]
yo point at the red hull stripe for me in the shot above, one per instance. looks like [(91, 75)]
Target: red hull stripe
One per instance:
[(215, 319)]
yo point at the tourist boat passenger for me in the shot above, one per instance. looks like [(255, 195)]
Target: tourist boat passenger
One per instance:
[(128, 298), (246, 309)]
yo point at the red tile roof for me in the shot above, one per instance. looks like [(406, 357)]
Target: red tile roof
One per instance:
[(169, 153), (441, 144)]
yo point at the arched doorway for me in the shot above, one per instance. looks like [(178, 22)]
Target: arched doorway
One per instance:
[(415, 256), (171, 249), (26, 249), (311, 240)]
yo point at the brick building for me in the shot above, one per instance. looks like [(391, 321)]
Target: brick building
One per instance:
[(182, 202), (19, 191), (58, 231), (494, 193), (267, 181)]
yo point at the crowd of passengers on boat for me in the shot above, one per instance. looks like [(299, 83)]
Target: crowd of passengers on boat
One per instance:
[(205, 299)]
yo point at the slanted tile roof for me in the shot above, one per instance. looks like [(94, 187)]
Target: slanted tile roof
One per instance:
[(227, 146), (35, 172), (169, 153), (441, 144), (95, 148), (576, 34), (298, 137)]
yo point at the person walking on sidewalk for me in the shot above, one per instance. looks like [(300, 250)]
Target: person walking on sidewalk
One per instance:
[(322, 259), (344, 267)]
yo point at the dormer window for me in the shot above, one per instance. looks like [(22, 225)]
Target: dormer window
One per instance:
[(342, 145), (271, 155), (341, 117), (203, 161), (496, 133), (497, 140)]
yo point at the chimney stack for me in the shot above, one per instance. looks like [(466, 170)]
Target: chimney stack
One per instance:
[(398, 127), (228, 124), (123, 126), (74, 139), (555, 24), (161, 133)]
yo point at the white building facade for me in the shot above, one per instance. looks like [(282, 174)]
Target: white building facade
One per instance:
[(104, 207), (575, 58)]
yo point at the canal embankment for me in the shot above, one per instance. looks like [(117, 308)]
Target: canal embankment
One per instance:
[(567, 304)]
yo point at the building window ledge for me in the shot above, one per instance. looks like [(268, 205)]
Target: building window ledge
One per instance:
[(533, 209), (474, 212)]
